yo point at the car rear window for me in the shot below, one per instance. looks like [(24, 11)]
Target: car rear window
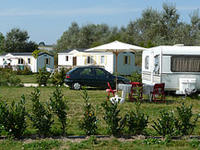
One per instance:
[(75, 71)]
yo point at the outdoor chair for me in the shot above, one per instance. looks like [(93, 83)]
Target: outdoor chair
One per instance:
[(158, 93), (110, 90), (136, 91)]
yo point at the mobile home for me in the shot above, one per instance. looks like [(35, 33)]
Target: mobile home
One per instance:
[(81, 57), (21, 60), (177, 66)]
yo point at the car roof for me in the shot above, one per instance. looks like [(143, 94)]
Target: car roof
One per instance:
[(88, 67)]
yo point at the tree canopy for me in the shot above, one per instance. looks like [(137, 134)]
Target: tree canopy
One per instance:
[(153, 28), (16, 40)]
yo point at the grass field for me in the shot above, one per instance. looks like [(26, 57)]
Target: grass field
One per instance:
[(75, 113), (98, 144), (27, 78)]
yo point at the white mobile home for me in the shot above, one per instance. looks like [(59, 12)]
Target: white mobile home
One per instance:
[(81, 57), (21, 60), (177, 66)]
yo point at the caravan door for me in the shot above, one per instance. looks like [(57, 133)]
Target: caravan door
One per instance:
[(157, 69)]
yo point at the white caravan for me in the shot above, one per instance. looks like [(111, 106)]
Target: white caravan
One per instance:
[(177, 66)]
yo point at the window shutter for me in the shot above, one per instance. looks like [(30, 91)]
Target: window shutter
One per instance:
[(124, 59)]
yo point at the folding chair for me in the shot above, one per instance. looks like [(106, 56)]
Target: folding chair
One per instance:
[(110, 90), (136, 91), (158, 93)]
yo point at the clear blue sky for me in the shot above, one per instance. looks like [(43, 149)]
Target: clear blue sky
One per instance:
[(46, 20)]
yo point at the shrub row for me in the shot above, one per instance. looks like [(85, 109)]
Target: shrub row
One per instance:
[(13, 117), (8, 76)]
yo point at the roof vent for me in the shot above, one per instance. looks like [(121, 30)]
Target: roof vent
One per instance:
[(179, 45)]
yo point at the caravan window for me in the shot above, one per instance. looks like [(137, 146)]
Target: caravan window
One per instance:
[(147, 62), (185, 63)]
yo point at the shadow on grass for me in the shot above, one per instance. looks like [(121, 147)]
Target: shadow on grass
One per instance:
[(155, 102), (94, 88)]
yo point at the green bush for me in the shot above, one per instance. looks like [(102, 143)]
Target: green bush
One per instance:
[(13, 80), (8, 78), (42, 77), (136, 120), (13, 117), (42, 145), (40, 116), (184, 123), (58, 77), (59, 107), (25, 71), (89, 122), (135, 77), (165, 125), (115, 122)]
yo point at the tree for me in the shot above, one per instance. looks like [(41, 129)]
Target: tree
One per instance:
[(195, 27), (69, 39), (153, 28), (145, 29), (169, 23), (2, 39), (17, 41)]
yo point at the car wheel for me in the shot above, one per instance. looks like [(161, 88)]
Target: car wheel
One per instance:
[(76, 86)]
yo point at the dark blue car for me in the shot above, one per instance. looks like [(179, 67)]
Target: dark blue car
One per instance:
[(93, 76)]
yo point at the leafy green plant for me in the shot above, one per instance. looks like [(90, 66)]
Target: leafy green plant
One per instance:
[(89, 122), (8, 78), (35, 53), (59, 107), (195, 143), (41, 116), (25, 71), (114, 121), (13, 80), (42, 145), (58, 77), (152, 141), (13, 117), (135, 77), (184, 123), (136, 120), (165, 125), (42, 77)]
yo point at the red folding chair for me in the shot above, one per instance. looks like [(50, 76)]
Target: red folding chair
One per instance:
[(110, 90), (158, 94), (136, 91)]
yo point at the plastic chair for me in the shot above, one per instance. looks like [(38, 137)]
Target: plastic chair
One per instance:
[(158, 93), (110, 90), (136, 91)]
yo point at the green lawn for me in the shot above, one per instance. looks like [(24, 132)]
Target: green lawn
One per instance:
[(27, 78), (75, 113), (98, 144)]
